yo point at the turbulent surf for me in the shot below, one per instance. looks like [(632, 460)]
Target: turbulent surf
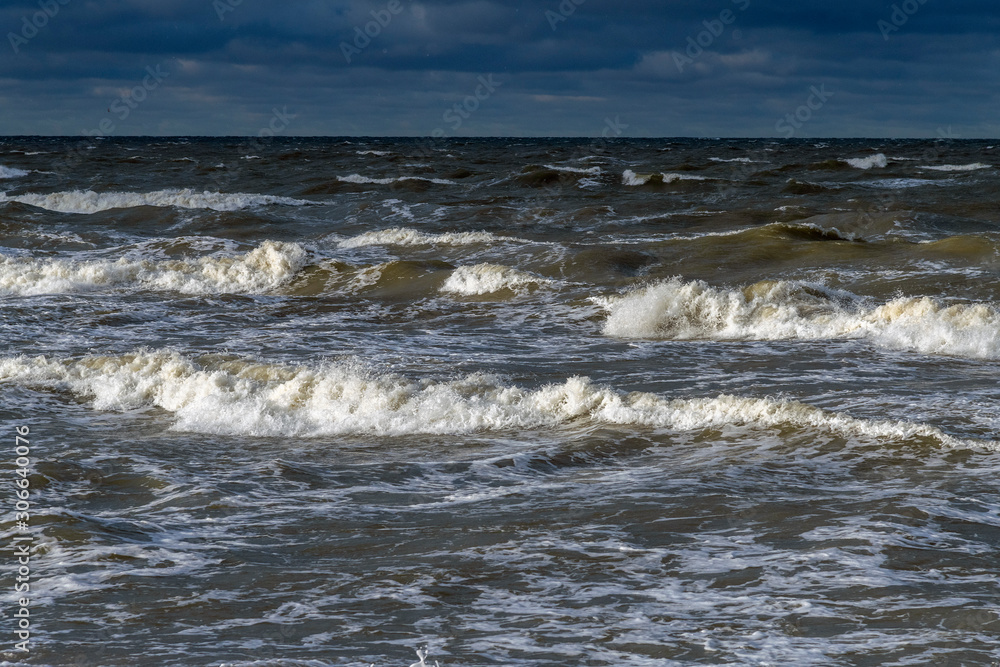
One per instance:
[(535, 402)]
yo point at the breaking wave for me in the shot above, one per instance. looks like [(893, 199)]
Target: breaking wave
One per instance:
[(12, 172), (629, 177), (780, 310), (405, 236), (367, 180), (86, 201), (264, 268), (878, 160), (958, 167), (489, 278), (223, 395)]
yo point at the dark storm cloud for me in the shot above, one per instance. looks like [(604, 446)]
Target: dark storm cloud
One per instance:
[(563, 67)]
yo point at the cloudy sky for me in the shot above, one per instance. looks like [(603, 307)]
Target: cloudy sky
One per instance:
[(700, 68)]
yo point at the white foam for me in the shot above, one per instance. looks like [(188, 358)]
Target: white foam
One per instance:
[(878, 160), (357, 178), (489, 278), (237, 397), (629, 177), (735, 159), (12, 172), (593, 171), (373, 152), (79, 201), (405, 236), (958, 167), (900, 183), (780, 310), (264, 268)]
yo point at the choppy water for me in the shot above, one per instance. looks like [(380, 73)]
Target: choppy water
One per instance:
[(325, 402)]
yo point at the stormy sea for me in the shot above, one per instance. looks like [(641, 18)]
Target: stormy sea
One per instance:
[(537, 402)]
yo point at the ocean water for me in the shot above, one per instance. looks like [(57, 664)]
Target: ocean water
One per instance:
[(506, 402)]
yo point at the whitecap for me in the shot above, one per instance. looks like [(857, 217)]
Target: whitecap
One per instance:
[(630, 177), (264, 268), (878, 160), (241, 397), (785, 310), (489, 278), (86, 202), (365, 180), (12, 172), (958, 167), (405, 236)]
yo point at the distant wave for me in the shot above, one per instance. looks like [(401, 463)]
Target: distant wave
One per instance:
[(958, 167), (241, 397), (780, 310), (86, 201), (630, 177), (488, 279), (12, 172), (410, 237), (902, 183), (264, 268), (593, 171), (879, 160), (363, 180)]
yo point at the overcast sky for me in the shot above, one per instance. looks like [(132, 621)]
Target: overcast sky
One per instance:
[(651, 67)]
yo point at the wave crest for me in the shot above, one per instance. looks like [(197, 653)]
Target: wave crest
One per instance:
[(405, 236), (780, 310), (237, 397), (879, 160), (488, 278), (87, 201), (263, 268), (12, 172)]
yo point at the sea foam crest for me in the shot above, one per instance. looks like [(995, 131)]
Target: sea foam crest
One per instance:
[(781, 310), (238, 397), (878, 160), (264, 268), (630, 177), (958, 167), (489, 278), (592, 171), (365, 180), (12, 172), (87, 201), (405, 236)]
